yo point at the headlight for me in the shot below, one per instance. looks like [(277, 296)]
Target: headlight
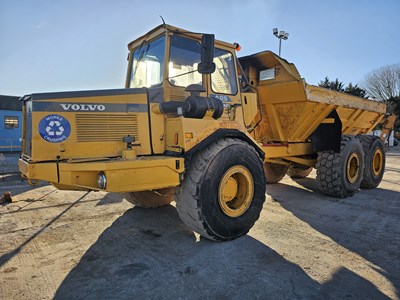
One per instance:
[(101, 180)]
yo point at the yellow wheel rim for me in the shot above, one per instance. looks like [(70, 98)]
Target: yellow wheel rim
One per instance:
[(377, 162), (236, 191), (353, 168)]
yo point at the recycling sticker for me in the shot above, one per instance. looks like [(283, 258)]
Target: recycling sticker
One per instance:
[(54, 128)]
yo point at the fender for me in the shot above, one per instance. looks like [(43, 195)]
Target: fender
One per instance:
[(328, 136), (222, 133)]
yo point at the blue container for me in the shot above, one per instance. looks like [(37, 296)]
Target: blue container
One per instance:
[(10, 130)]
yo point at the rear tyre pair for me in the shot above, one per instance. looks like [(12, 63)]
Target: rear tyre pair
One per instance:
[(374, 159), (340, 174)]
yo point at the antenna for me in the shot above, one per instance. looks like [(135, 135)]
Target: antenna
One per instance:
[(162, 20)]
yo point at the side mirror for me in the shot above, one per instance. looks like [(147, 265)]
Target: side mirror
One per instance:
[(207, 66)]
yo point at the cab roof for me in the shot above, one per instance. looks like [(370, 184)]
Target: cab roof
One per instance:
[(169, 28)]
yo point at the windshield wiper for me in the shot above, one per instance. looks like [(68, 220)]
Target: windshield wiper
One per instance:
[(141, 54), (183, 74)]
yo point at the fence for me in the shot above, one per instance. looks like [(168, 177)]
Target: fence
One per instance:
[(9, 167)]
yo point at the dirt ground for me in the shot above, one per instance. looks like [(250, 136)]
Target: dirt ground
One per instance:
[(75, 245)]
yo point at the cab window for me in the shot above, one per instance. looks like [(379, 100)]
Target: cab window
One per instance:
[(183, 62), (148, 64), (223, 80)]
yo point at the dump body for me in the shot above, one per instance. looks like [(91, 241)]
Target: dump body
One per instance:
[(292, 110)]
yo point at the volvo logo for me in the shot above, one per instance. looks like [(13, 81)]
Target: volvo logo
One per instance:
[(82, 107)]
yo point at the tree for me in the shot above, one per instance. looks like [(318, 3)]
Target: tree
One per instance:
[(393, 106), (355, 90), (338, 86), (383, 83), (332, 85)]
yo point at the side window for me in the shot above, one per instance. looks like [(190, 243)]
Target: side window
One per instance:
[(183, 61), (10, 122), (223, 80)]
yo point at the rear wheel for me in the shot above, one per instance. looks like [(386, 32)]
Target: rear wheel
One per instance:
[(299, 171), (151, 199), (223, 191), (340, 174), (374, 161), (274, 172)]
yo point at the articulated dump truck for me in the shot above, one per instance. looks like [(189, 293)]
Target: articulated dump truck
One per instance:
[(196, 125)]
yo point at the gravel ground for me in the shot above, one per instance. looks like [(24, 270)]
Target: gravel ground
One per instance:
[(74, 245)]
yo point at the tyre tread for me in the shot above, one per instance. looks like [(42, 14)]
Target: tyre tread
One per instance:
[(188, 194)]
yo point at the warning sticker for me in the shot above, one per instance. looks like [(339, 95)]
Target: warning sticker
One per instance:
[(54, 128)]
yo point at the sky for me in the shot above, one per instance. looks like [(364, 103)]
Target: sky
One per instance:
[(65, 45)]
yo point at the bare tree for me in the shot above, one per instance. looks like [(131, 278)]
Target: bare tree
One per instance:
[(383, 83)]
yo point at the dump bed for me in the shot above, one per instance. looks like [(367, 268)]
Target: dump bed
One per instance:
[(292, 110)]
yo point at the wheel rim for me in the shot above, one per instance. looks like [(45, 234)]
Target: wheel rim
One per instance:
[(377, 162), (236, 191), (353, 167)]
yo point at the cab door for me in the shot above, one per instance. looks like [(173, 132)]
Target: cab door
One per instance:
[(223, 83)]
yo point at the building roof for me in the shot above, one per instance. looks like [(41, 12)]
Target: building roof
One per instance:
[(10, 103)]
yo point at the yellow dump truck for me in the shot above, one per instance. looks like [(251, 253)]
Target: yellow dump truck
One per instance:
[(196, 125)]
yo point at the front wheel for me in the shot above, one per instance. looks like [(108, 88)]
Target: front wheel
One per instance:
[(151, 199), (274, 172), (299, 171), (223, 192)]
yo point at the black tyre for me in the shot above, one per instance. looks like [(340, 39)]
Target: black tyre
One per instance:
[(151, 199), (340, 174), (223, 191), (374, 161), (299, 171), (274, 172)]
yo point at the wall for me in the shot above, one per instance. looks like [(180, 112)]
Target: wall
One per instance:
[(10, 138)]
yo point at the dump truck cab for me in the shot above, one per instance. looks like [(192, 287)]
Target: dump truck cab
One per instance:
[(166, 61)]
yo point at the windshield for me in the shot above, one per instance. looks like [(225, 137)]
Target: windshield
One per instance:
[(148, 64)]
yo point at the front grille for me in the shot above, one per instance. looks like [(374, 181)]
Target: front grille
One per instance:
[(105, 127)]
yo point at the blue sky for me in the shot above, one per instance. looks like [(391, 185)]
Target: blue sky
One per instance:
[(78, 45)]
